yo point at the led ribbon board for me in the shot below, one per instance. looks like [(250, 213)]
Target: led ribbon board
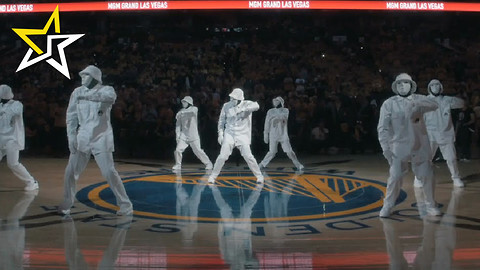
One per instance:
[(232, 5)]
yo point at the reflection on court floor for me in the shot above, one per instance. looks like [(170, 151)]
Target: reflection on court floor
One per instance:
[(322, 218)]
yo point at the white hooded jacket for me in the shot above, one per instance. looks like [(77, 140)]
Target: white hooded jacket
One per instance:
[(236, 121), (88, 118), (11, 124), (11, 120), (186, 127), (401, 128), (439, 122), (276, 124)]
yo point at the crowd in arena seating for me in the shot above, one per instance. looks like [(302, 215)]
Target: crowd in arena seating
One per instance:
[(333, 69)]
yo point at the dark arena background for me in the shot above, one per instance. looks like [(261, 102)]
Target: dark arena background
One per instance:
[(333, 62)]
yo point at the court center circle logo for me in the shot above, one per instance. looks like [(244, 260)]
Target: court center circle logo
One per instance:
[(235, 196)]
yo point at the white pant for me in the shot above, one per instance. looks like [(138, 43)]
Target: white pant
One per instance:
[(226, 150), (394, 245), (74, 256), (12, 245), (287, 148), (77, 164), (12, 162), (449, 154), (422, 170), (196, 148)]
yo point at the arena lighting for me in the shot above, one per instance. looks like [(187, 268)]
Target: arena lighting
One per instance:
[(232, 5)]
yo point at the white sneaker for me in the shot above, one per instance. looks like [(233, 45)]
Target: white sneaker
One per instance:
[(31, 186), (385, 212), (211, 180), (417, 183), (458, 183), (64, 212), (209, 166), (177, 167), (300, 167), (260, 179), (433, 211)]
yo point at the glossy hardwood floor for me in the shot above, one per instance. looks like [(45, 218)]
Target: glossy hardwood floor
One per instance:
[(325, 217)]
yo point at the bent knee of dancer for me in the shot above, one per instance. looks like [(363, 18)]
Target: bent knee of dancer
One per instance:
[(198, 152), (70, 175), (219, 162), (272, 152), (249, 157), (394, 177), (287, 148), (424, 177), (13, 165), (451, 161), (179, 151), (109, 172), (223, 157)]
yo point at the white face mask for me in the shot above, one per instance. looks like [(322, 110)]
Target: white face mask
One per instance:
[(86, 79), (435, 88), (184, 104), (403, 88), (275, 103), (234, 101)]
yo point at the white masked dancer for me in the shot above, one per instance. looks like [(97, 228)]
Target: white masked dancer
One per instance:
[(441, 131), (12, 136), (90, 133), (276, 131), (403, 137), (186, 131), (235, 130)]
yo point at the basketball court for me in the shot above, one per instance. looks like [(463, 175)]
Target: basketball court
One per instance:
[(325, 217)]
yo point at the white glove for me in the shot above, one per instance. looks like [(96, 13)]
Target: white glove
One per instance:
[(231, 112), (179, 115), (5, 114), (8, 114), (220, 138), (72, 145), (412, 110), (388, 155), (238, 109)]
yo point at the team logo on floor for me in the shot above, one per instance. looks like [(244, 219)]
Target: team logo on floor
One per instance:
[(284, 196)]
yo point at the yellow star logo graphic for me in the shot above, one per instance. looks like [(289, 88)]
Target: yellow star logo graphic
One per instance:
[(23, 33), (62, 67)]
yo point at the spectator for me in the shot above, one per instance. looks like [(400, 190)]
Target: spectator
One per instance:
[(465, 129)]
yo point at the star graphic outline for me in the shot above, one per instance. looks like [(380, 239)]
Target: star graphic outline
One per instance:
[(61, 67), (24, 33)]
